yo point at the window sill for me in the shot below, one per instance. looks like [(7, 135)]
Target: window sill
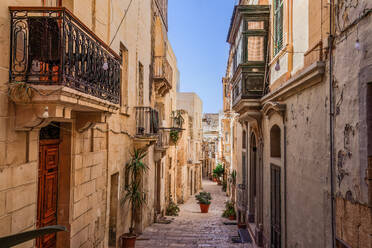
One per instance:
[(279, 55)]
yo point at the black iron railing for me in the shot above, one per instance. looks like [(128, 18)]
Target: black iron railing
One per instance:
[(163, 138), (50, 46), (162, 69), (147, 121)]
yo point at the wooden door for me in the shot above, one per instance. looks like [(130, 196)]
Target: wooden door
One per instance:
[(48, 188), (276, 222)]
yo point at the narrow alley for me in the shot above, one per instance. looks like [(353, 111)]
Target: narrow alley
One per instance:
[(192, 228)]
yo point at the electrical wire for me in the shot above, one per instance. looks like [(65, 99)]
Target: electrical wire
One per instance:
[(121, 22)]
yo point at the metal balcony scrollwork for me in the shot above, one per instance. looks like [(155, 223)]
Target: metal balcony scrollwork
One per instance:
[(50, 46), (162, 75), (147, 120)]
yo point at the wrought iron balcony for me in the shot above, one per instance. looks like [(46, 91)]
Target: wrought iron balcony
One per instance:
[(241, 201), (162, 75), (162, 142), (51, 46), (147, 122)]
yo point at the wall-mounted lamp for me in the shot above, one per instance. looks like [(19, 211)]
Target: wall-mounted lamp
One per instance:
[(46, 113), (277, 65)]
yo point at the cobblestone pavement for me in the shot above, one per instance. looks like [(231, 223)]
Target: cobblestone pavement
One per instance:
[(192, 228)]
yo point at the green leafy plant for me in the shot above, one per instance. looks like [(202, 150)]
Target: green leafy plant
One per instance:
[(172, 208), (219, 170), (229, 210), (133, 191), (203, 198), (174, 135)]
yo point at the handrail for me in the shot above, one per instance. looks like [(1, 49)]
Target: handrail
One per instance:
[(19, 238)]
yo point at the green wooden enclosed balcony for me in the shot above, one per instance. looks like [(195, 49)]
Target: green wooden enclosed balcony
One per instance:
[(248, 37)]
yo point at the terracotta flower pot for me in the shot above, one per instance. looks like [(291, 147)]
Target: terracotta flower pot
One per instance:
[(232, 217), (127, 240), (214, 179), (204, 208)]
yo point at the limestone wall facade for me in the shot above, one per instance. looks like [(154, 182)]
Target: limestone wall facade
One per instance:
[(94, 157), (291, 132)]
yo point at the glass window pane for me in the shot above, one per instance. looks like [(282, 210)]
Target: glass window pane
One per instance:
[(255, 25), (255, 48)]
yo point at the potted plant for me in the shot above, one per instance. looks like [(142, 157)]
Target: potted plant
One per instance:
[(204, 200), (229, 211), (214, 177), (174, 135), (134, 193), (219, 170)]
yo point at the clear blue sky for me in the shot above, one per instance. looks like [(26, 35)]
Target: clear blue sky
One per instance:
[(197, 30)]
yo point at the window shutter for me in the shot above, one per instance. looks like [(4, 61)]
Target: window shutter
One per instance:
[(278, 26)]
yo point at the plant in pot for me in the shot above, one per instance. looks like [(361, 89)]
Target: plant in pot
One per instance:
[(215, 177), (219, 170), (134, 194), (174, 135), (229, 211), (204, 200)]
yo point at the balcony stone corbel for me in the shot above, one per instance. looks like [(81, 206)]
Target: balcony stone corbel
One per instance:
[(269, 108), (33, 116), (85, 120)]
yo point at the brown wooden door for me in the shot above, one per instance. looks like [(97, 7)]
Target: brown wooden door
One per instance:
[(48, 188)]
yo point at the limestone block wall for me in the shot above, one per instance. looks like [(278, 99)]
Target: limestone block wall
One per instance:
[(352, 135), (89, 186)]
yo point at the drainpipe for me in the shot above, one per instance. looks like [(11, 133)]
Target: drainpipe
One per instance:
[(285, 179), (331, 121)]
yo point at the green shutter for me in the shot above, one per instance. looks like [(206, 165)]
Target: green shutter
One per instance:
[(278, 26)]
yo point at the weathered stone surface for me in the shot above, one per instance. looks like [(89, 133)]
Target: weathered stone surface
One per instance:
[(23, 218), (192, 228), (5, 225), (20, 197)]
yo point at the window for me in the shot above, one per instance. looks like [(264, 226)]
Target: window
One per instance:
[(278, 26), (244, 137), (124, 75), (275, 147), (255, 48), (52, 3), (140, 85)]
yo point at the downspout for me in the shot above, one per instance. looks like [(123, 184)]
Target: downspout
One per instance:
[(285, 178), (290, 38), (331, 121)]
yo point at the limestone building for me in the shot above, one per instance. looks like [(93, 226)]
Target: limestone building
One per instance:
[(83, 83), (189, 171), (210, 143), (298, 76)]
